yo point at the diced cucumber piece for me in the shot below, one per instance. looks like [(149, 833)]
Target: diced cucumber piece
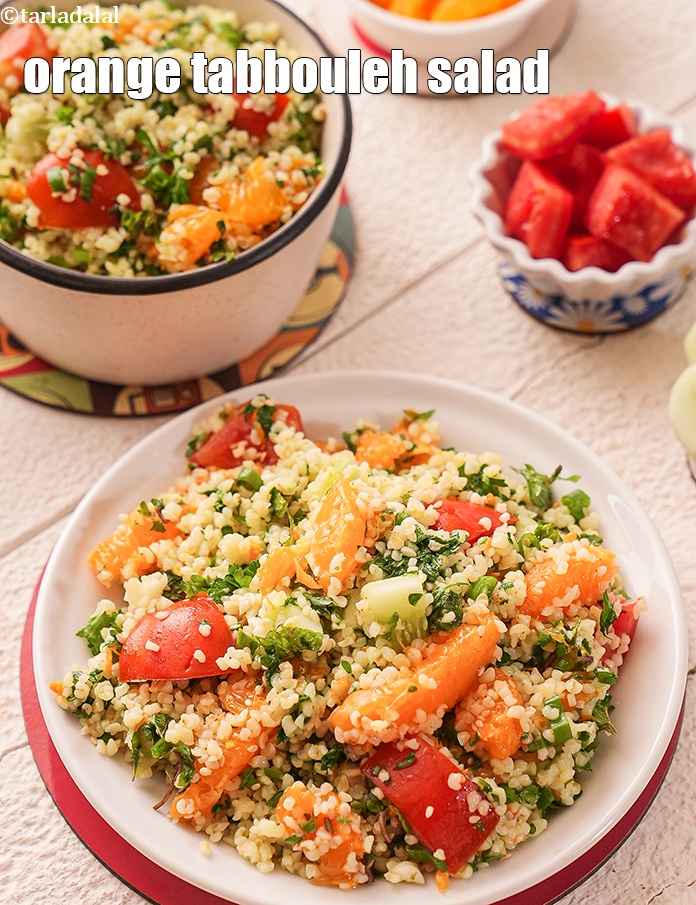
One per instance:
[(398, 605), (682, 408), (294, 616)]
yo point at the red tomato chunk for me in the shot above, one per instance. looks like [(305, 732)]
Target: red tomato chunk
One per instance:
[(463, 515), (552, 125), (436, 798), (184, 643), (628, 193), (612, 127), (628, 212), (17, 45), (253, 121), (71, 196), (586, 251), (538, 211), (655, 158), (579, 171), (242, 437)]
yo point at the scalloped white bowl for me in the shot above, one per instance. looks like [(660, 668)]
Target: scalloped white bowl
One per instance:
[(423, 39), (590, 300)]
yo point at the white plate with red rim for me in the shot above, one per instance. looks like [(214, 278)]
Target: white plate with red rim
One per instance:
[(648, 700)]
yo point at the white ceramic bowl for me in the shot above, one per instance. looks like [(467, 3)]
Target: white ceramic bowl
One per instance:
[(424, 39), (174, 327), (590, 300)]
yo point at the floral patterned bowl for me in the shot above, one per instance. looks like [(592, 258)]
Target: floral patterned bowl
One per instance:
[(588, 300)]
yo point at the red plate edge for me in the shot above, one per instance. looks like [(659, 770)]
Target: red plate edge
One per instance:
[(163, 888)]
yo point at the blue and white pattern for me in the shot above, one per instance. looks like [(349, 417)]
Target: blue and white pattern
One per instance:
[(606, 315)]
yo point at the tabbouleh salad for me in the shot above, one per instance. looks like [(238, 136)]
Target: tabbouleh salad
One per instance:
[(107, 184), (374, 657)]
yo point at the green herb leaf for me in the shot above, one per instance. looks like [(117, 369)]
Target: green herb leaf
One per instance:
[(600, 714), (218, 588), (609, 614), (56, 179), (446, 601), (249, 477), (333, 756), (483, 484), (65, 115), (577, 503), (562, 731), (92, 632), (486, 584), (421, 854), (368, 805), (279, 645), (407, 761)]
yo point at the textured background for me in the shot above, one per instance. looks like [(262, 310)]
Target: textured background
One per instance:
[(424, 297)]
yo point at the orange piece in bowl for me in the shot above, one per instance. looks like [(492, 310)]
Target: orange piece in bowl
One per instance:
[(457, 10), (254, 198), (416, 9)]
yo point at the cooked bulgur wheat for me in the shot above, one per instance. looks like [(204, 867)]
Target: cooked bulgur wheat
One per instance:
[(107, 184), (312, 551)]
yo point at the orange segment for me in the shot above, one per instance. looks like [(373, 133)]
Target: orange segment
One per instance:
[(190, 232), (203, 794), (123, 547), (277, 570), (416, 9), (579, 580), (340, 531), (379, 450), (446, 674), (254, 198), (456, 10), (486, 712), (300, 809)]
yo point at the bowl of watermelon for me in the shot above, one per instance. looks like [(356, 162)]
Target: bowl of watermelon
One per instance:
[(590, 202)]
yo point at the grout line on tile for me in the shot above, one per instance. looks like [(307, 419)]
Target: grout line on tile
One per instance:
[(35, 531), (588, 344), (387, 303)]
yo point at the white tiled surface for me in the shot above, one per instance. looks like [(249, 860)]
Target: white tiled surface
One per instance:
[(424, 297)]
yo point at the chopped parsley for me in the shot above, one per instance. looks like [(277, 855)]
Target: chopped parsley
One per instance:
[(152, 736), (407, 761), (609, 614), (10, 226), (218, 588), (92, 632), (539, 485), (164, 175), (446, 603), (420, 853), (279, 645), (430, 553), (481, 483), (333, 756), (577, 502)]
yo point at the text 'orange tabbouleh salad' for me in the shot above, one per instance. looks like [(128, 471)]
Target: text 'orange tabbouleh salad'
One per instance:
[(374, 657), (107, 184)]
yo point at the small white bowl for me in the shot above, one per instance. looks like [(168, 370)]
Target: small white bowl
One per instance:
[(590, 300), (176, 327), (423, 39)]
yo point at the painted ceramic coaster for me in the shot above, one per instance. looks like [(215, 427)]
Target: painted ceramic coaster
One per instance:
[(23, 373), (161, 887), (549, 29)]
